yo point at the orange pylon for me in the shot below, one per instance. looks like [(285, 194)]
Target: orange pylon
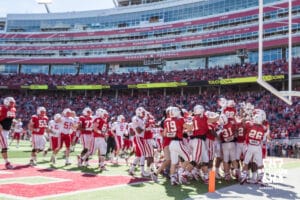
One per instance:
[(212, 181)]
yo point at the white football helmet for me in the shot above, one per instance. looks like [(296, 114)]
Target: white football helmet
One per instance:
[(231, 103), (41, 110), (260, 112), (57, 117), (140, 112), (223, 120), (210, 114), (87, 111), (101, 113), (175, 112), (121, 118), (9, 101), (67, 111), (249, 107), (199, 110), (258, 119), (222, 102)]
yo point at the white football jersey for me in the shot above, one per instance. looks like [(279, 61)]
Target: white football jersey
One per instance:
[(18, 127), (138, 122), (67, 125), (55, 128), (120, 128)]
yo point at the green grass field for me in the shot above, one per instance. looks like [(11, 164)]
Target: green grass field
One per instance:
[(144, 190)]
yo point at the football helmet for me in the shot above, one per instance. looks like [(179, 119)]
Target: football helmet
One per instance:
[(168, 110), (258, 119), (260, 112), (199, 110), (67, 112), (175, 112), (231, 103), (87, 111), (140, 112), (185, 112), (57, 117), (121, 118), (210, 114), (41, 110), (222, 102), (101, 113), (9, 101), (223, 120)]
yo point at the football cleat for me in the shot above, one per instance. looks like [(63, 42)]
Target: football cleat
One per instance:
[(154, 177), (79, 161), (227, 177), (145, 174), (182, 179), (126, 160), (53, 160), (131, 173), (174, 181), (32, 163), (8, 165), (196, 175), (103, 168), (243, 179), (68, 163), (219, 176), (206, 181)]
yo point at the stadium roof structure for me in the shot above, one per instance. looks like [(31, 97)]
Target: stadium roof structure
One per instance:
[(121, 3), (45, 3)]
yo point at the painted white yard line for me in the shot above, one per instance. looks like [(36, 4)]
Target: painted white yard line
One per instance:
[(13, 197), (24, 180)]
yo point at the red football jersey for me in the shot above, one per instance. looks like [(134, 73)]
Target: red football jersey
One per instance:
[(166, 140), (211, 128), (200, 125), (6, 116), (174, 127), (241, 132), (255, 134), (86, 123), (39, 123), (227, 134), (148, 126), (102, 126)]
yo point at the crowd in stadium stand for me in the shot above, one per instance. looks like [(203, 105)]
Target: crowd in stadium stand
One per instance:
[(274, 68), (284, 149)]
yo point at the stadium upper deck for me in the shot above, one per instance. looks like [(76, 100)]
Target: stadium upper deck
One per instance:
[(134, 2), (168, 35)]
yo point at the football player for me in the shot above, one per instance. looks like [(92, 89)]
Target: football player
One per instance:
[(38, 125), (7, 114)]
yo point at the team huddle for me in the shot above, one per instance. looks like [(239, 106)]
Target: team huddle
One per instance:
[(191, 143)]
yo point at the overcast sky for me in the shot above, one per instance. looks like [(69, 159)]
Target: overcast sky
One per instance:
[(31, 6)]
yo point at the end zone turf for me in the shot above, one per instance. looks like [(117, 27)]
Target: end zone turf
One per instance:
[(33, 182)]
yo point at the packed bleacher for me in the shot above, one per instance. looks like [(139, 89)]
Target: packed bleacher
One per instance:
[(275, 68)]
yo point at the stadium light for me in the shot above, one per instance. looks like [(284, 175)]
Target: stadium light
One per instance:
[(45, 2)]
